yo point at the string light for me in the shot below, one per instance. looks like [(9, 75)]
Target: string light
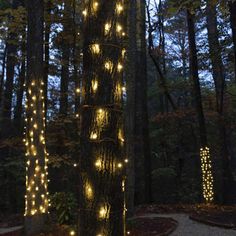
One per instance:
[(207, 177), (36, 201), (105, 162)]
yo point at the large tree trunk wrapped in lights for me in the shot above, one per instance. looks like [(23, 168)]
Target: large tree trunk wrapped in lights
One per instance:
[(36, 202), (206, 165), (101, 167)]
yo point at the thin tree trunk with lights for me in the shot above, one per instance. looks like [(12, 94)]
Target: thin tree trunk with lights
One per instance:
[(101, 168), (36, 202), (207, 178)]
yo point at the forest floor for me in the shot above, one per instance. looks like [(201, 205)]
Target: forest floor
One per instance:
[(188, 227), (194, 220)]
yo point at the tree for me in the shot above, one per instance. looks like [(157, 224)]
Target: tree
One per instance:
[(207, 177), (36, 203), (65, 74), (142, 145), (220, 86), (101, 168)]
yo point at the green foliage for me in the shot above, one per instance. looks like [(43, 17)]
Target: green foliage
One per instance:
[(164, 180), (64, 206)]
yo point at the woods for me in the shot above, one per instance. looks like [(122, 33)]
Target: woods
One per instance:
[(110, 106)]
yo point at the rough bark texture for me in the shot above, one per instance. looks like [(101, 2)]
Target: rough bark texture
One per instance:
[(101, 167), (36, 178)]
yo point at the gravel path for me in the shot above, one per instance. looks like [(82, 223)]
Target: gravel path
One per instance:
[(188, 227)]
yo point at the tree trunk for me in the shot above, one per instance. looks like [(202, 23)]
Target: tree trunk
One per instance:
[(46, 52), (232, 9), (20, 92), (65, 60), (101, 168), (10, 72), (130, 106), (2, 75), (215, 55), (36, 176), (142, 151), (207, 178), (219, 80)]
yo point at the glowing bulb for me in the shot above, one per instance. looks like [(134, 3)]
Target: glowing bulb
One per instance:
[(93, 136), (85, 12), (94, 85), (95, 48), (107, 28), (72, 232), (119, 8)]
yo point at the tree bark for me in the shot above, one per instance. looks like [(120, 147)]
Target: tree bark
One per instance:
[(101, 168), (142, 152), (130, 105), (36, 172)]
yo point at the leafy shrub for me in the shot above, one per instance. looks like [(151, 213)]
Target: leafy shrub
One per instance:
[(64, 206)]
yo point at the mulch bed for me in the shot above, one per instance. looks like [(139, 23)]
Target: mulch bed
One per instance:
[(215, 215), (224, 217), (152, 226)]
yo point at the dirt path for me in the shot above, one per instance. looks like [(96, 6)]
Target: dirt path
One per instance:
[(188, 227)]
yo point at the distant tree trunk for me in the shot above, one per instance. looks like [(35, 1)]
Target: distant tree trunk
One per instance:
[(130, 105), (142, 152), (151, 51), (219, 80), (232, 9), (36, 204), (46, 52), (76, 60), (195, 78), (10, 72), (101, 168), (65, 60), (2, 75), (215, 55), (20, 92), (207, 177)]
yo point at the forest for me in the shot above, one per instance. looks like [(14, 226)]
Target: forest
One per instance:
[(117, 117)]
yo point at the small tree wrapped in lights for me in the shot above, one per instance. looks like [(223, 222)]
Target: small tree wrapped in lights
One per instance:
[(101, 167)]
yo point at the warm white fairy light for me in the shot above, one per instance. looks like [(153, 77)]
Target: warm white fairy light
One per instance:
[(107, 28), (109, 66), (119, 8), (94, 85), (207, 177), (95, 48), (102, 115), (36, 166)]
